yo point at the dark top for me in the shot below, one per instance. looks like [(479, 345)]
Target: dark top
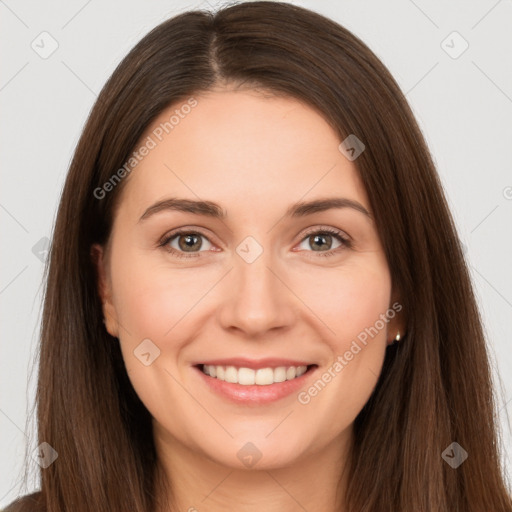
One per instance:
[(27, 503)]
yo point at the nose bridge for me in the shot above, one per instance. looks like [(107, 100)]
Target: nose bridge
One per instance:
[(256, 300)]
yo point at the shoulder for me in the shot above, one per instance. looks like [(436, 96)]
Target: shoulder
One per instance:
[(28, 503)]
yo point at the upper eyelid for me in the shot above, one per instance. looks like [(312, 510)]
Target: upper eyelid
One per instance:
[(306, 232)]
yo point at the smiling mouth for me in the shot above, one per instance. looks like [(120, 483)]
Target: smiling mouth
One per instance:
[(260, 377)]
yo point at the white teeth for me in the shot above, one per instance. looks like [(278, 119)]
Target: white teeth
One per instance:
[(280, 374), (231, 374), (264, 376), (249, 377), (246, 376)]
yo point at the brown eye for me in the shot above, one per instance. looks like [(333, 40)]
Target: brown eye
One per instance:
[(321, 241), (189, 242), (185, 242)]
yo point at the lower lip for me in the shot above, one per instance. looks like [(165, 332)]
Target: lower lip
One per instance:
[(255, 394)]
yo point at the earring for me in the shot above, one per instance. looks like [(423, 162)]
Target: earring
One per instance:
[(397, 337)]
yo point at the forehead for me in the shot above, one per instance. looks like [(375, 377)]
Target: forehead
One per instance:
[(230, 145)]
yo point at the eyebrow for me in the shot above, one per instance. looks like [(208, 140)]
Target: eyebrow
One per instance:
[(214, 210)]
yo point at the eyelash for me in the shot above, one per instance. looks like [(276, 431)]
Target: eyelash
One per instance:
[(346, 243)]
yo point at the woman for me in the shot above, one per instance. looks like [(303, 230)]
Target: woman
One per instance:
[(200, 349)]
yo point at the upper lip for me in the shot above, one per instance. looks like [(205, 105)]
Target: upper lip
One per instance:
[(255, 364)]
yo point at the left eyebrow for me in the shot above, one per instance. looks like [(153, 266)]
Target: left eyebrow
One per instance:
[(214, 210), (304, 208)]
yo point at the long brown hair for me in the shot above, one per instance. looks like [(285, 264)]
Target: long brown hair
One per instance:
[(435, 387)]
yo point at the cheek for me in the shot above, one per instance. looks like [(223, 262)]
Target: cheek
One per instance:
[(348, 299), (149, 298), (350, 303), (150, 302), (355, 300)]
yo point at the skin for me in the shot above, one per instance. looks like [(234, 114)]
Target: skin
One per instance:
[(254, 155)]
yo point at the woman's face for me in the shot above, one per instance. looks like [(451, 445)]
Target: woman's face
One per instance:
[(260, 285)]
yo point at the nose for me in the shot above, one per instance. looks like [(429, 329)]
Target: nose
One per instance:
[(256, 299)]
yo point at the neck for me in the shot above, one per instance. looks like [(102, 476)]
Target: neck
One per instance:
[(314, 481)]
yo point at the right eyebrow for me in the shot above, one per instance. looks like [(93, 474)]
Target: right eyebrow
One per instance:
[(207, 208)]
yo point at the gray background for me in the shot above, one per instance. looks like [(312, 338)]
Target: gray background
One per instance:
[(462, 102)]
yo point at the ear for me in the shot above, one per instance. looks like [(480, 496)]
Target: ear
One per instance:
[(104, 287), (397, 324)]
